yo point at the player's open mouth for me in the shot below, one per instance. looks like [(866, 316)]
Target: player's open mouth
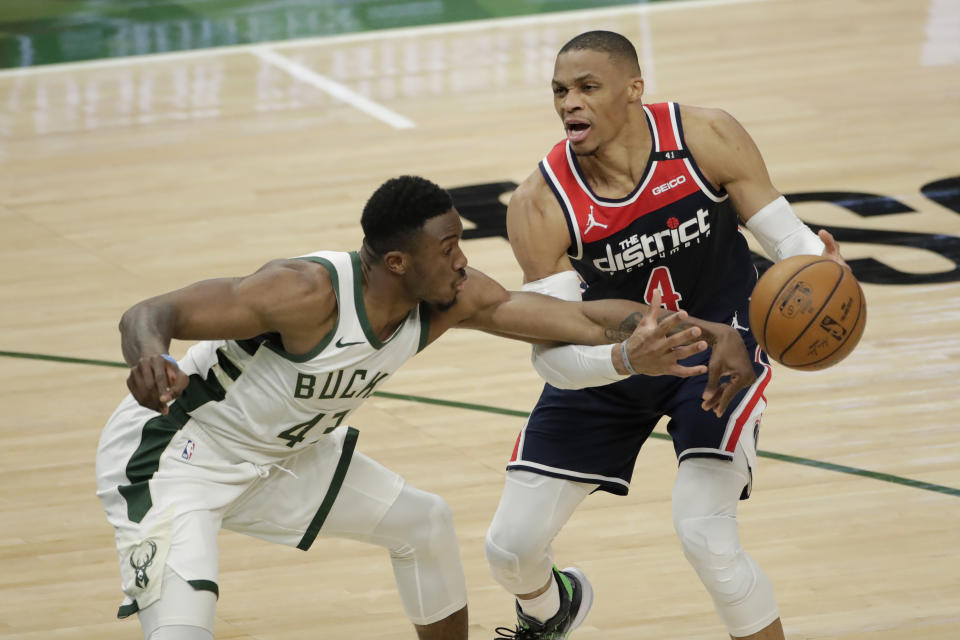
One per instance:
[(458, 285), (577, 130)]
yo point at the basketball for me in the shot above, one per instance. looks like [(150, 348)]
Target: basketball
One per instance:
[(808, 312)]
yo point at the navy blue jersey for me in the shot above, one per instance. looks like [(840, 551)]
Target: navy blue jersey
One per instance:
[(674, 232)]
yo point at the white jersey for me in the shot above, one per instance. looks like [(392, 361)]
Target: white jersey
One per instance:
[(263, 403)]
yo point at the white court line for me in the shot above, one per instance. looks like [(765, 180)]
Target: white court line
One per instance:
[(333, 88), (403, 32)]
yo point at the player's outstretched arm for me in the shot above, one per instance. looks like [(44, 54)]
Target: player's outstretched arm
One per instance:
[(282, 296)]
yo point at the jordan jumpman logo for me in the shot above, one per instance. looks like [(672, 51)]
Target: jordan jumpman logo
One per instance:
[(592, 222)]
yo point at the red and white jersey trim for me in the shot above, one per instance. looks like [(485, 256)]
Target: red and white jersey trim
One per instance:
[(750, 408)]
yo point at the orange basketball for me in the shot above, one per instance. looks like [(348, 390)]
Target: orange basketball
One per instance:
[(808, 312)]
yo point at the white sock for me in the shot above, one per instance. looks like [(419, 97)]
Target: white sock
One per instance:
[(545, 605)]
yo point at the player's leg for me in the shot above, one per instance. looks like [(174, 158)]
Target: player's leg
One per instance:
[(705, 498), (182, 613), (148, 472), (416, 528), (330, 490), (717, 458), (532, 510), (576, 441)]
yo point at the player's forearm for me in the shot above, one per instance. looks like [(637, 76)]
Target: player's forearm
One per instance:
[(619, 319), (146, 329)]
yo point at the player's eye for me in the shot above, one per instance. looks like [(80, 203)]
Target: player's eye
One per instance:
[(559, 91)]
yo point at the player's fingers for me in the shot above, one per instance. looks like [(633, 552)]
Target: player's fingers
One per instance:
[(685, 351), (710, 398), (141, 386), (728, 391), (687, 336), (159, 368), (831, 249), (181, 381), (654, 307), (682, 371), (670, 322), (161, 384), (829, 242), (713, 381)]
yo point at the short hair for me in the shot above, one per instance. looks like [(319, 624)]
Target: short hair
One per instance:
[(398, 209), (613, 44)]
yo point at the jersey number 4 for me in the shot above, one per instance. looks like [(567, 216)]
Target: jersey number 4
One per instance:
[(661, 280), (298, 432)]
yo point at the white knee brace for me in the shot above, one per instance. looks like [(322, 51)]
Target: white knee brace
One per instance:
[(705, 502), (532, 510), (712, 547), (418, 531)]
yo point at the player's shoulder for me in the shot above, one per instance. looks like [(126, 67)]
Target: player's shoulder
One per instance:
[(533, 196), (706, 125), (531, 188), (297, 272), (301, 282)]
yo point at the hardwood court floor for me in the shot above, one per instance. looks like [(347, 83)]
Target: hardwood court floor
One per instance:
[(125, 178)]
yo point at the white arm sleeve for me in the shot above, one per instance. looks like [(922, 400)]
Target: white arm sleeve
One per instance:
[(781, 233), (573, 366)]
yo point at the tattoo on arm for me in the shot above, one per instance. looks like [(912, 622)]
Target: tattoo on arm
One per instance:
[(626, 328), (629, 325)]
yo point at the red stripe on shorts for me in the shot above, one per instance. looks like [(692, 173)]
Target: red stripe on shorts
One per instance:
[(748, 410)]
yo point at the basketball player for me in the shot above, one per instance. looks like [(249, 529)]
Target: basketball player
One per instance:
[(249, 430), (642, 202)]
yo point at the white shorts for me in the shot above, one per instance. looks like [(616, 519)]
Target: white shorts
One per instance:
[(188, 486)]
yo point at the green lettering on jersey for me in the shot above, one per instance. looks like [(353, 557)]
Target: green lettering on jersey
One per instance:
[(323, 394), (367, 390), (359, 372), (305, 385)]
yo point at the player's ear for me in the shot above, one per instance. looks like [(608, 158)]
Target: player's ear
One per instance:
[(397, 262), (635, 89)]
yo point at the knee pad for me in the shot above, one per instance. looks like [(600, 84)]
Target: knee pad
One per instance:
[(712, 547), (532, 510), (432, 531), (504, 564), (741, 591), (418, 532)]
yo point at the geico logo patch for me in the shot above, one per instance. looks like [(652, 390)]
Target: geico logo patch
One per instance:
[(666, 186)]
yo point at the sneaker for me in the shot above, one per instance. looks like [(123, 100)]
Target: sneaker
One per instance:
[(576, 598)]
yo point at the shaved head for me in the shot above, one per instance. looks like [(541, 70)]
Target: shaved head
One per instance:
[(613, 44)]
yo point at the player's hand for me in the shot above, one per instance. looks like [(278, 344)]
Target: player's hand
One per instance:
[(728, 371), (653, 351), (831, 249), (155, 381)]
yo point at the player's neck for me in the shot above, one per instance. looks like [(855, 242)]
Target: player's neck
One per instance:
[(619, 164), (386, 301)]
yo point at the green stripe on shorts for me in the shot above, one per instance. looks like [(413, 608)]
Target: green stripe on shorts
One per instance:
[(349, 444), (156, 436)]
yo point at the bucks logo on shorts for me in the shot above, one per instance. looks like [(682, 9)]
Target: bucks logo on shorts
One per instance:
[(140, 558)]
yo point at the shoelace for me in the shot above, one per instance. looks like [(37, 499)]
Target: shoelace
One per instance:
[(519, 633)]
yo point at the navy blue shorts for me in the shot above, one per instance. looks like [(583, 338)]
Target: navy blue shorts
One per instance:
[(594, 434)]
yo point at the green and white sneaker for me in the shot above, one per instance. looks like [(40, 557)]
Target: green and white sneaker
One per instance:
[(576, 598)]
